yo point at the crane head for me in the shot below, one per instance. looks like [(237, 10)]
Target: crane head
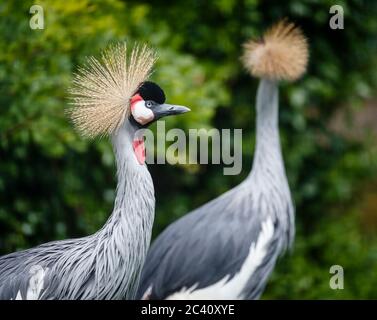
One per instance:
[(148, 105), (281, 54), (108, 90)]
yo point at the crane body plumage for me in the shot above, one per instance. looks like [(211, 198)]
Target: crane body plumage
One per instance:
[(111, 97), (227, 248), (105, 265)]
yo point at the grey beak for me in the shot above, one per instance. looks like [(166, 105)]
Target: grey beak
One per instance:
[(165, 109)]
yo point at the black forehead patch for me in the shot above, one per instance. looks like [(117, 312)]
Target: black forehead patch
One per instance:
[(151, 91)]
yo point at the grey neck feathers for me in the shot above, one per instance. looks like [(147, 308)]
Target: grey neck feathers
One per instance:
[(268, 177), (126, 236), (107, 264), (268, 158), (134, 180)]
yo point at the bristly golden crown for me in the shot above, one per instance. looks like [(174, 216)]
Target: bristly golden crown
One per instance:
[(282, 53), (102, 89)]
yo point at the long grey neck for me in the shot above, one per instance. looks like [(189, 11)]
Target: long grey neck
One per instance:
[(126, 236), (268, 178), (268, 160), (129, 169)]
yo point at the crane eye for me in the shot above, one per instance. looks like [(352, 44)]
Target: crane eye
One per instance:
[(148, 104)]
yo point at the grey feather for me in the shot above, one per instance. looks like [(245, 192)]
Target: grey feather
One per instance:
[(105, 265), (212, 242)]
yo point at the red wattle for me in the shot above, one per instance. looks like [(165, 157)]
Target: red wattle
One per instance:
[(139, 150)]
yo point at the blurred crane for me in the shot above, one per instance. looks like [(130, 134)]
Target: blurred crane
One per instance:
[(227, 248), (110, 97)]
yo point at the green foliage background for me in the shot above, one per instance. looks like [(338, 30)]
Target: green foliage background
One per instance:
[(55, 185)]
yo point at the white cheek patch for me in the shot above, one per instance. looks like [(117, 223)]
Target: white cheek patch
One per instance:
[(141, 113)]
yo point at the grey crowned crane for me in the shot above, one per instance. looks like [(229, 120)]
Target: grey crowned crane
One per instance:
[(110, 97), (227, 248)]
